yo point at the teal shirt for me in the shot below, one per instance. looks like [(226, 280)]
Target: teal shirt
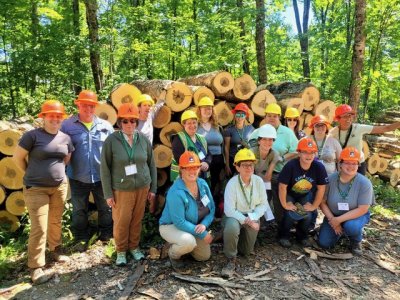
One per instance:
[(286, 142)]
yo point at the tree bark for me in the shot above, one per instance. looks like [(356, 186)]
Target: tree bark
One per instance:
[(246, 64), (77, 78), (95, 62), (34, 42), (260, 42), (358, 54)]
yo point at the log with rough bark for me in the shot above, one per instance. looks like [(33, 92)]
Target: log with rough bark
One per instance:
[(220, 82), (223, 112), (244, 87), (168, 131), (163, 117), (200, 92), (15, 203), (106, 112), (384, 142), (260, 101), (124, 93), (285, 103), (9, 140), (326, 108), (389, 117), (391, 175), (177, 95), (373, 163), (8, 221), (11, 176)]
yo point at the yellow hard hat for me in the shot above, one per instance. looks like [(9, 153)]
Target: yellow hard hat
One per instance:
[(145, 98), (205, 101), (273, 108), (244, 155), (188, 114), (292, 112)]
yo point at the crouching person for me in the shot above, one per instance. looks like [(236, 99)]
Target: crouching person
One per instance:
[(188, 212), (244, 204)]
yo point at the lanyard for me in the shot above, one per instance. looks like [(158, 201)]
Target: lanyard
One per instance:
[(347, 137), (192, 146), (248, 201), (129, 150), (344, 194), (322, 146)]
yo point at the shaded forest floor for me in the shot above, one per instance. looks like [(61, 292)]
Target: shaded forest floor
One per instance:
[(288, 273)]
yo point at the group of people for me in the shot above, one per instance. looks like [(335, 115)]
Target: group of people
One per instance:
[(273, 171)]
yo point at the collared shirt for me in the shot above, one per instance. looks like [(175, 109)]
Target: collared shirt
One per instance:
[(84, 165), (146, 127)]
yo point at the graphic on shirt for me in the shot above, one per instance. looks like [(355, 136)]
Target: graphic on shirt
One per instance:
[(303, 185)]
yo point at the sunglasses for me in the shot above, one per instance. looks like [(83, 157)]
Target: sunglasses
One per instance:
[(240, 115), (319, 125), (126, 121), (291, 120)]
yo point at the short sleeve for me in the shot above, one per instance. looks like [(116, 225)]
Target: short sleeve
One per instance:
[(27, 141)]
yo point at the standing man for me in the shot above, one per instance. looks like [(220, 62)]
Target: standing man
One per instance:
[(351, 134), (147, 112), (88, 134)]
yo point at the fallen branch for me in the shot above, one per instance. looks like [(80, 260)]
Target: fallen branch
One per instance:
[(340, 284), (382, 264), (151, 293), (261, 279), (314, 269), (217, 280), (252, 276), (330, 256), (132, 281)]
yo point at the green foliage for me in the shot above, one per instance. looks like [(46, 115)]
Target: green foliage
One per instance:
[(387, 197)]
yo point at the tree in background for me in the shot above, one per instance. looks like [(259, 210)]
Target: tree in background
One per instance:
[(260, 41)]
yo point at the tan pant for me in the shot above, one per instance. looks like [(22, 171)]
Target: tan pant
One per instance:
[(127, 216), (183, 242), (45, 207)]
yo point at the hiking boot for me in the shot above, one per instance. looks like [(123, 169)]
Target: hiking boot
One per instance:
[(305, 243), (229, 268), (136, 254), (58, 256), (177, 264), (356, 248), (39, 277), (121, 259), (80, 246), (285, 243)]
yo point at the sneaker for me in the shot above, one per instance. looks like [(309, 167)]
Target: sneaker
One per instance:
[(285, 243), (177, 264), (356, 248), (229, 268), (58, 256), (121, 259), (136, 254), (39, 277)]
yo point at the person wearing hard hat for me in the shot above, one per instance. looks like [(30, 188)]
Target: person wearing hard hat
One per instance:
[(88, 133), (147, 113), (212, 132), (292, 121), (188, 213), (45, 186), (189, 139), (328, 147), (351, 134), (129, 178), (346, 203), (245, 202), (302, 183), (236, 136)]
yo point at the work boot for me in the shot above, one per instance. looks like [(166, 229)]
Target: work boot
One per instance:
[(229, 268), (356, 248), (177, 264), (80, 246), (136, 254), (58, 256), (39, 277), (121, 259), (285, 243), (305, 243)]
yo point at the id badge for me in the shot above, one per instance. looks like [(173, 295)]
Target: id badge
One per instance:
[(201, 155), (343, 206), (205, 200), (267, 185), (130, 169)]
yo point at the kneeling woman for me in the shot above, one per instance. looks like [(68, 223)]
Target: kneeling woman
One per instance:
[(188, 212), (346, 203)]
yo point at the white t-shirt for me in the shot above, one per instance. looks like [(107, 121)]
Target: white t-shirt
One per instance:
[(329, 154)]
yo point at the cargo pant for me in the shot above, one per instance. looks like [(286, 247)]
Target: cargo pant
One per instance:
[(45, 207)]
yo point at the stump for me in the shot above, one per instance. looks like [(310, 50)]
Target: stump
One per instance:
[(200, 92), (223, 112), (162, 156), (8, 221), (11, 176), (15, 203), (168, 131), (260, 101), (106, 112), (124, 93), (9, 140), (163, 117), (220, 82)]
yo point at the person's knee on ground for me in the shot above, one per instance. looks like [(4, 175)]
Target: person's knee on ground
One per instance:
[(186, 244)]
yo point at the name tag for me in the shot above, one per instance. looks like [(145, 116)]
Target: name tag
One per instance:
[(267, 185), (201, 155), (343, 206), (130, 169), (205, 200)]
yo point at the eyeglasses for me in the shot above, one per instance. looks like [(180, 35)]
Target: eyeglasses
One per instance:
[(240, 115), (191, 168), (346, 116), (350, 163), (320, 125), (126, 121), (291, 120), (247, 165)]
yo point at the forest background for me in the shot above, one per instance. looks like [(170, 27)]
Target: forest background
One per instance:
[(53, 49)]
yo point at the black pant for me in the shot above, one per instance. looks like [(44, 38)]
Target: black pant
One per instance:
[(217, 165), (362, 169)]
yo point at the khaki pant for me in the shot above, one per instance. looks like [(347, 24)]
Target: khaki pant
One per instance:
[(45, 207), (127, 216), (238, 238), (183, 242)]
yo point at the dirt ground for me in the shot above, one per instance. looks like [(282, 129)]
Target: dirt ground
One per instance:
[(283, 274)]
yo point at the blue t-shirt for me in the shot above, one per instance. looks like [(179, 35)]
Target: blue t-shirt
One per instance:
[(239, 137), (300, 181)]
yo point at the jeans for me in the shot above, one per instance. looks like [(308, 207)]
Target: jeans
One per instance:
[(80, 206), (352, 229)]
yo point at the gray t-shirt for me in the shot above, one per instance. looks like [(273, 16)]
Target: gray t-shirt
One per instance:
[(239, 137), (262, 165), (214, 139), (46, 155), (360, 193)]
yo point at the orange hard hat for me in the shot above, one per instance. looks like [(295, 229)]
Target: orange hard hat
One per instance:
[(52, 107), (307, 144), (241, 107), (189, 159), (128, 110), (87, 96), (350, 154), (343, 109), (319, 119)]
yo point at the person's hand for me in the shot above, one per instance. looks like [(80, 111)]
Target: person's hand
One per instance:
[(204, 166), (309, 207), (208, 238), (255, 225), (200, 228), (247, 221), (334, 222), (151, 197), (110, 202), (290, 206), (227, 170)]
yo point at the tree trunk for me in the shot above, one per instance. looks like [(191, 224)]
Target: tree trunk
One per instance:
[(77, 78), (260, 41), (95, 62), (349, 26), (243, 44), (34, 42), (358, 54)]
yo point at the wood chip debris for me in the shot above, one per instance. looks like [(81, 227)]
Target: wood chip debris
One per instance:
[(209, 280), (341, 256)]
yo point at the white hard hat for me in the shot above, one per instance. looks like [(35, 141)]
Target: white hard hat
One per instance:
[(267, 131)]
